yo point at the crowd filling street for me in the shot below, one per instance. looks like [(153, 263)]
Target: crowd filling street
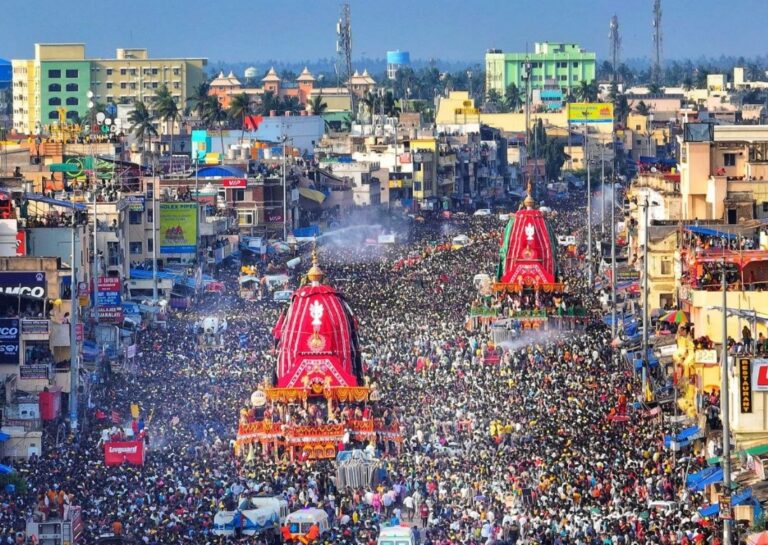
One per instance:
[(516, 449)]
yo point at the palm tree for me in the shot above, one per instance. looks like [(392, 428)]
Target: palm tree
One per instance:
[(239, 107), (318, 105), (142, 122), (655, 89), (198, 98), (269, 102), (687, 83), (587, 91), (642, 108), (389, 106), (514, 97), (290, 104), (620, 108), (167, 110), (214, 114), (494, 102)]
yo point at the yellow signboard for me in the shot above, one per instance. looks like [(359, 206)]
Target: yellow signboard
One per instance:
[(590, 112)]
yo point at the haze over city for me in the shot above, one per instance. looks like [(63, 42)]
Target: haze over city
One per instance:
[(453, 30)]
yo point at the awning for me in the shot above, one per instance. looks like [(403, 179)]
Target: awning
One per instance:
[(709, 232), (742, 498), (312, 194), (4, 436), (712, 478), (4, 469), (65, 167), (694, 478)]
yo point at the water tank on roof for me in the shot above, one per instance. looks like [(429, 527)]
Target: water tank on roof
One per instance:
[(250, 72)]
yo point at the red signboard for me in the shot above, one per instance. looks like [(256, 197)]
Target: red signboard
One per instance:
[(124, 452), (21, 243), (109, 283), (113, 314), (274, 217), (233, 182)]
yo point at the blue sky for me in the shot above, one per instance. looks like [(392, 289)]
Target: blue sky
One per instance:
[(294, 30)]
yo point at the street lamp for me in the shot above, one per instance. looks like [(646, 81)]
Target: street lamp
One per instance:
[(284, 139), (589, 201)]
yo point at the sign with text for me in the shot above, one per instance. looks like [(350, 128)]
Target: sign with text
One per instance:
[(759, 374), (133, 203), (233, 182), (124, 452), (21, 242), (590, 112), (35, 370), (26, 284), (34, 329), (274, 216), (108, 293), (705, 357), (745, 385), (111, 314), (178, 228), (9, 341)]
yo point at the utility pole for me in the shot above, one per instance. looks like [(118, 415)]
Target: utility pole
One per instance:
[(154, 237), (602, 188), (73, 319), (589, 203), (615, 40), (613, 257), (645, 283), (725, 412), (285, 193), (344, 51)]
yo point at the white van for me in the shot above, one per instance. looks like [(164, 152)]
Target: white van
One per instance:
[(278, 504), (396, 535), (299, 522)]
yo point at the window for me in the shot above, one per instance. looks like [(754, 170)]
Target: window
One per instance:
[(765, 207), (135, 248), (134, 218), (666, 267), (132, 71), (54, 88), (176, 85), (123, 71), (150, 216), (55, 101), (150, 245), (123, 85), (238, 195), (133, 86), (729, 159), (72, 101), (53, 115), (576, 64), (72, 114), (72, 73), (54, 74), (109, 85), (417, 186), (146, 71), (154, 71), (245, 217), (109, 71), (73, 87), (176, 71), (154, 85)]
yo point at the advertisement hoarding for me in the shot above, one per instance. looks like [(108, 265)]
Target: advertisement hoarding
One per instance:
[(178, 228), (29, 284), (590, 112), (233, 182), (111, 314), (9, 341), (108, 293), (745, 384), (119, 452)]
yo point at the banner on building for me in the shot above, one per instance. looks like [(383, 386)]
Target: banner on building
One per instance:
[(124, 452), (745, 385), (35, 330), (132, 203), (178, 228), (590, 112), (34, 371), (21, 243), (109, 291), (26, 284), (274, 216), (9, 341), (110, 314), (234, 182)]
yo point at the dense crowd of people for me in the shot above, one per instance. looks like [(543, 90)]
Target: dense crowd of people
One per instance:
[(518, 451)]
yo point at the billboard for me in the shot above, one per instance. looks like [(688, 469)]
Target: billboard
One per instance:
[(29, 284), (590, 112), (9, 341), (234, 182), (120, 452), (108, 292), (178, 227)]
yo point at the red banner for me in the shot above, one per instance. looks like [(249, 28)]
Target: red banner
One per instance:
[(21, 243), (233, 182), (119, 452)]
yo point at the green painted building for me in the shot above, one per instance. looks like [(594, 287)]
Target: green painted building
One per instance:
[(552, 65), (64, 84)]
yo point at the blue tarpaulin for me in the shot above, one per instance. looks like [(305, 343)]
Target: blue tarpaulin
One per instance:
[(5, 470), (184, 280), (709, 232), (742, 498), (4, 436), (695, 478), (712, 478)]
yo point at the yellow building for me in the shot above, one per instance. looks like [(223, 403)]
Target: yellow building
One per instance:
[(26, 99), (133, 75), (424, 157), (53, 87)]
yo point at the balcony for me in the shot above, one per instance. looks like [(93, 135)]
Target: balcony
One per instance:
[(665, 182), (214, 226)]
